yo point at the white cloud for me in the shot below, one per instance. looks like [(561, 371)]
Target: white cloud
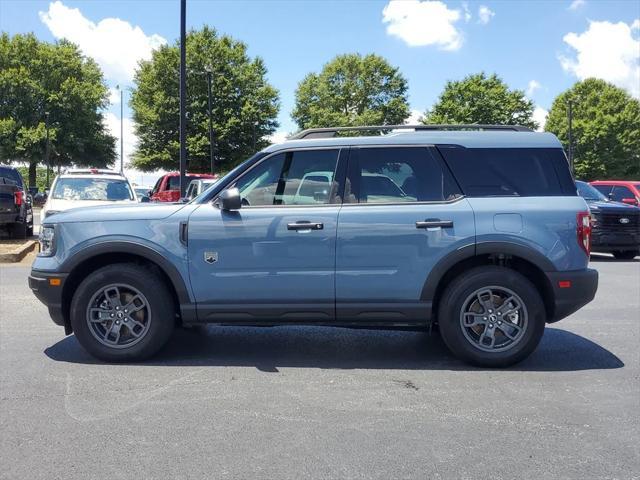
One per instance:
[(415, 117), (607, 51), (485, 14), (278, 137), (112, 123), (422, 23), (540, 116), (636, 24), (532, 87), (116, 45), (467, 12), (576, 4), (114, 96)]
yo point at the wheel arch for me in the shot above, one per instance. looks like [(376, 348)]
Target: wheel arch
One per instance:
[(522, 259), (108, 253)]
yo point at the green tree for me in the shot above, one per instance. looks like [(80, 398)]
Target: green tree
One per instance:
[(481, 99), (40, 80), (244, 104), (606, 129), (352, 90)]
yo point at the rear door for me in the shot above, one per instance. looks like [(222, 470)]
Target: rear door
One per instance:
[(403, 212)]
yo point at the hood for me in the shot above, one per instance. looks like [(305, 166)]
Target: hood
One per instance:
[(125, 211), (599, 206)]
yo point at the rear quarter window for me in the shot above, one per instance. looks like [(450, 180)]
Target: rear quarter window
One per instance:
[(510, 172)]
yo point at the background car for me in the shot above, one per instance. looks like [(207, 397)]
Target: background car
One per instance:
[(196, 187), (167, 188), (16, 212), (141, 192), (86, 188), (615, 226), (624, 191)]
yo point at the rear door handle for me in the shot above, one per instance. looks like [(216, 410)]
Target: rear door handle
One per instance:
[(304, 225), (434, 223)]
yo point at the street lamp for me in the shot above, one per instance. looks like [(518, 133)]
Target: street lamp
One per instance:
[(47, 147), (570, 119), (183, 96), (121, 128), (211, 140)]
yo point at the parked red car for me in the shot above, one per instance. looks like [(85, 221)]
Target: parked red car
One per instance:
[(624, 191), (167, 188)]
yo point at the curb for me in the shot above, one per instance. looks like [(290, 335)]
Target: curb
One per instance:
[(18, 253)]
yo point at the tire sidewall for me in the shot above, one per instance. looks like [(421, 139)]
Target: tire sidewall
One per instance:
[(459, 290), (156, 293)]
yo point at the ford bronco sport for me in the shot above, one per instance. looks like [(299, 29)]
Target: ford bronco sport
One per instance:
[(478, 228)]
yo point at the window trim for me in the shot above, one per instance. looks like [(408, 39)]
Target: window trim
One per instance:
[(430, 148), (337, 189)]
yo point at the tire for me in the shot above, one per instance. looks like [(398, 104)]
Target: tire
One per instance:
[(104, 294), (625, 254), (19, 230), (514, 339)]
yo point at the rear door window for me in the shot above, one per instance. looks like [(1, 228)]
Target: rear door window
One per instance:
[(618, 193), (510, 172), (398, 175)]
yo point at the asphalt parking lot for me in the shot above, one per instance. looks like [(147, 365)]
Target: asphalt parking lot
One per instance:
[(322, 403)]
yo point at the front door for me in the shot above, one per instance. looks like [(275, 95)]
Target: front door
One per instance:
[(402, 214), (273, 260)]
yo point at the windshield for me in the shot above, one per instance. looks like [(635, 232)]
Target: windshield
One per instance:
[(101, 189), (587, 192), (202, 198)]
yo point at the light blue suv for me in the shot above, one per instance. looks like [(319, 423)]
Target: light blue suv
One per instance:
[(478, 229)]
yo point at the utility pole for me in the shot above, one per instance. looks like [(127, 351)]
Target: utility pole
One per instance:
[(183, 96), (211, 140), (570, 115)]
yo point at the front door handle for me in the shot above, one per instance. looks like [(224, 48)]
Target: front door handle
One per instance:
[(304, 225), (435, 223)]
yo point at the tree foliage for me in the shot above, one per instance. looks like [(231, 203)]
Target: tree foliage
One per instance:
[(481, 99), (38, 77), (352, 90), (244, 104), (606, 129)]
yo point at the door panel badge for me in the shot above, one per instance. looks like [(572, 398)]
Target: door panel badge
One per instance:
[(211, 257)]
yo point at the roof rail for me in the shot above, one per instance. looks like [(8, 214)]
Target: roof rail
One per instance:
[(327, 132)]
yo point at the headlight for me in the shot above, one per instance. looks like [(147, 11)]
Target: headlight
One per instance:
[(47, 235)]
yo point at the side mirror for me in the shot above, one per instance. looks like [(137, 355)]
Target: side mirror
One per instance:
[(630, 201), (229, 199), (145, 199)]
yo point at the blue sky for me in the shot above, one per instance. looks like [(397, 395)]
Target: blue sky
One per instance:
[(539, 46)]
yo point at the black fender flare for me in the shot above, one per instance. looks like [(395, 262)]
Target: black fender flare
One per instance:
[(133, 248), (482, 248)]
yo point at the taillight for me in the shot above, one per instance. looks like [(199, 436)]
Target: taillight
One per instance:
[(583, 230), (17, 198)]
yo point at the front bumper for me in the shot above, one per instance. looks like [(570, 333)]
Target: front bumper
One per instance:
[(571, 291), (48, 290), (609, 241)]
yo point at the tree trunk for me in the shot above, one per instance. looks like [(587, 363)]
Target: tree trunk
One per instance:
[(32, 173)]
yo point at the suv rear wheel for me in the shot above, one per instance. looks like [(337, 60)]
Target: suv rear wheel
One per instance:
[(122, 312), (491, 316)]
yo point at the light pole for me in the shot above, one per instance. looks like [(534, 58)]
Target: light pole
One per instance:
[(183, 96), (121, 128), (570, 119), (211, 139), (47, 147)]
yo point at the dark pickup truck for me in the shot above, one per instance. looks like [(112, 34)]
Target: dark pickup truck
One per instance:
[(16, 212)]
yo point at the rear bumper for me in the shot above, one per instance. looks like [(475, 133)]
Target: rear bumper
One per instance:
[(51, 295), (571, 291)]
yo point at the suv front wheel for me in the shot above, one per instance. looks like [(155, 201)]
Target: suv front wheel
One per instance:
[(122, 312), (491, 316)]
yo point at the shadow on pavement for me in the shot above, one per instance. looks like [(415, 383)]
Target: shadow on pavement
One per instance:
[(336, 348), (610, 259)]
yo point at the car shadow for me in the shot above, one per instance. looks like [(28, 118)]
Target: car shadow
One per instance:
[(335, 348)]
